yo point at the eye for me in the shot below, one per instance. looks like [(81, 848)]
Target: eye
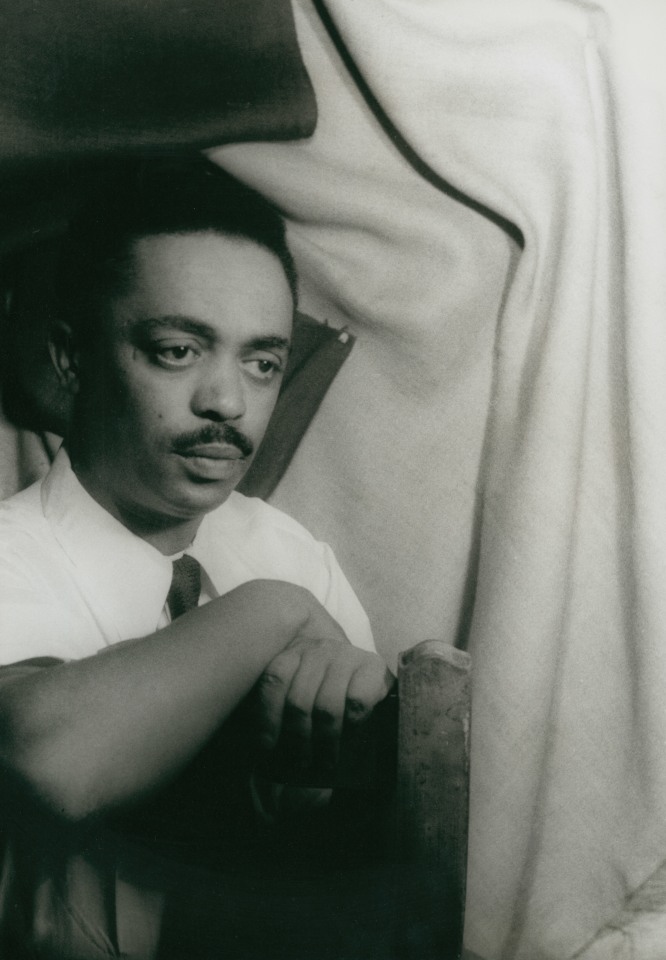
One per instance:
[(264, 368), (175, 355)]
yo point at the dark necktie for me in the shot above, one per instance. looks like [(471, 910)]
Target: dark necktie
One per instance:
[(185, 586)]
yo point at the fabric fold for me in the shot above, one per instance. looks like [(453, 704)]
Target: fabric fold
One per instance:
[(547, 115)]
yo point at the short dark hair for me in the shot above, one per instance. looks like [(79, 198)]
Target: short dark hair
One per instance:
[(148, 197)]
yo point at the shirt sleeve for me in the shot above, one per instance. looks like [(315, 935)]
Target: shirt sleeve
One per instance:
[(336, 595), (33, 624)]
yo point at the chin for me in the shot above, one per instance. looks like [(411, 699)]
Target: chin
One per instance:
[(202, 499)]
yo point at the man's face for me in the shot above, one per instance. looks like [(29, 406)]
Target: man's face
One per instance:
[(176, 393)]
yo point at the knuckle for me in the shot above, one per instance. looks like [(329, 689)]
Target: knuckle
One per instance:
[(321, 646), (310, 649), (356, 708), (282, 667), (271, 678)]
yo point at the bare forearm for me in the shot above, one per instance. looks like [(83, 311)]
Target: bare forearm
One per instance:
[(89, 735)]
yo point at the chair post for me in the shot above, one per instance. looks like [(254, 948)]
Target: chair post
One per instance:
[(432, 797)]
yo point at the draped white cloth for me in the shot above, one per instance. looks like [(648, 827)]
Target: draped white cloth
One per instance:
[(491, 463)]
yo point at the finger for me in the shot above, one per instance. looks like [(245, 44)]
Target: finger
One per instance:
[(296, 734), (329, 713), (369, 684), (272, 689)]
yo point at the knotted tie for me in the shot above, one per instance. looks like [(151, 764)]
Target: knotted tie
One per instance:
[(185, 586)]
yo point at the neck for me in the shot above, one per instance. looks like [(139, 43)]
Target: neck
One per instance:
[(167, 538), (166, 533)]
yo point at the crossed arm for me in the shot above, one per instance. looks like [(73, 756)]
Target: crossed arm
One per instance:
[(88, 736)]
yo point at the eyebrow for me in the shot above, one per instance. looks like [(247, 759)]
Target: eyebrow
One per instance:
[(270, 343), (203, 329)]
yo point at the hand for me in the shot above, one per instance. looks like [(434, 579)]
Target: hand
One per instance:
[(315, 686)]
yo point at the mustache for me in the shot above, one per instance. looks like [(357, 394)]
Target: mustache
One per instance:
[(214, 433)]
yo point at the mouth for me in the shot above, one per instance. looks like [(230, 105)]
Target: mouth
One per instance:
[(212, 451), (210, 462)]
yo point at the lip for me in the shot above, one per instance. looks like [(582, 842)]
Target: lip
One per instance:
[(212, 451), (213, 462)]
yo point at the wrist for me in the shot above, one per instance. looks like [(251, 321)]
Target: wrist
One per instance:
[(285, 606), (292, 609)]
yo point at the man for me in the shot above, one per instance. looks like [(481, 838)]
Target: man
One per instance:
[(176, 292)]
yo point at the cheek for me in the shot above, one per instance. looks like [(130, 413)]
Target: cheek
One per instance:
[(155, 417), (150, 401), (262, 408)]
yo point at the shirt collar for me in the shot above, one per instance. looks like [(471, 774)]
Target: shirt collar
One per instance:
[(126, 578)]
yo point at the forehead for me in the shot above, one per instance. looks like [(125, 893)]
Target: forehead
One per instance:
[(237, 287)]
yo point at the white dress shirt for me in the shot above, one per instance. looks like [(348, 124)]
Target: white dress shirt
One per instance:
[(74, 580)]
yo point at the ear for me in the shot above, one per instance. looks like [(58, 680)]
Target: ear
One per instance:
[(64, 354)]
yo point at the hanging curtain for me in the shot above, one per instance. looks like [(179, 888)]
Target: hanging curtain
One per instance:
[(484, 203)]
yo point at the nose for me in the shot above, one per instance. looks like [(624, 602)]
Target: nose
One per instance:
[(220, 394)]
